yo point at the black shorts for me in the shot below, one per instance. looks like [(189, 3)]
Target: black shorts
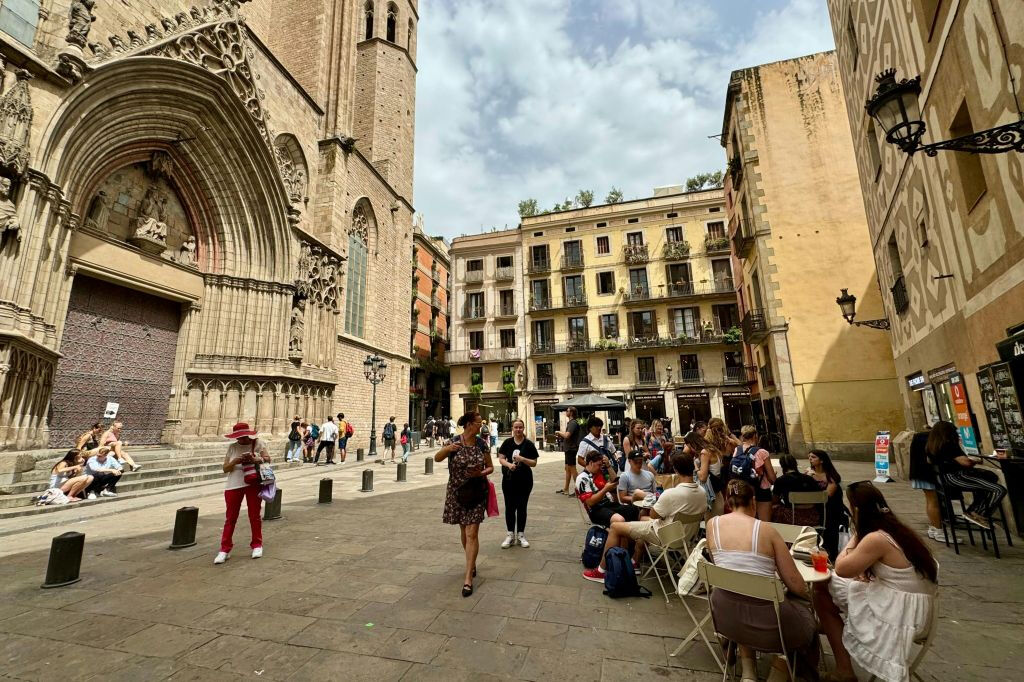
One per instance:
[(570, 459), (762, 494), (602, 513)]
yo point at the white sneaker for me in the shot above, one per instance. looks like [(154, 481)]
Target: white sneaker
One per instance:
[(522, 541), (510, 539), (91, 496), (257, 553), (107, 493), (936, 534), (221, 557)]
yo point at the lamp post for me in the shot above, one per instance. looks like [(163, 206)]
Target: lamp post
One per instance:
[(375, 369), (896, 109), (848, 305)]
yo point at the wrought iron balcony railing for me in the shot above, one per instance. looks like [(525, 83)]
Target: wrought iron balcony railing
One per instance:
[(755, 325), (635, 254), (716, 243), (900, 300), (676, 250)]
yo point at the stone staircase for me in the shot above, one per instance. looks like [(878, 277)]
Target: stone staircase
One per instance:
[(162, 468)]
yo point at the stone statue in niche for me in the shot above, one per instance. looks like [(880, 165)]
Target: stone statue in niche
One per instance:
[(161, 165), (150, 223), (80, 21), (8, 213), (297, 329), (96, 216), (187, 253)]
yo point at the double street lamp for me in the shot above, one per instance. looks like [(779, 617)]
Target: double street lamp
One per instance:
[(375, 369)]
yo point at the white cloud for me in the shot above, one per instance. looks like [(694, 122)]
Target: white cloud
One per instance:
[(540, 98)]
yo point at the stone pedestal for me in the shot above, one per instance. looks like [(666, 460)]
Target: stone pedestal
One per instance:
[(151, 246)]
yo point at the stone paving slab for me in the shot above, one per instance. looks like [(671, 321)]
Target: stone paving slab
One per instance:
[(368, 588)]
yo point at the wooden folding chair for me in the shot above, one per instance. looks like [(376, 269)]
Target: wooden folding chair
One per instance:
[(818, 498), (766, 588)]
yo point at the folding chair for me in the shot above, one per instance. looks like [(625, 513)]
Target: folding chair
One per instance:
[(788, 531), (766, 588), (672, 539), (698, 625), (817, 498)]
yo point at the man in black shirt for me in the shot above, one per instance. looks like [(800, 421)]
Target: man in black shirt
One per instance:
[(571, 443)]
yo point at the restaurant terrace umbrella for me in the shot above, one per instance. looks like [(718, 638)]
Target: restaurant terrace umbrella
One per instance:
[(591, 402)]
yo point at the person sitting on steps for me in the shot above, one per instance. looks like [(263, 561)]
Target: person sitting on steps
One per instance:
[(69, 475), (106, 472), (90, 440), (112, 439)]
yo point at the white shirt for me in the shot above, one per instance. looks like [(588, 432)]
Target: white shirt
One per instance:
[(236, 478), (493, 429), (328, 431)]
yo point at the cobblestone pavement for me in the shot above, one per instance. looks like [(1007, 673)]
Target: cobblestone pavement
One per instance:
[(367, 588)]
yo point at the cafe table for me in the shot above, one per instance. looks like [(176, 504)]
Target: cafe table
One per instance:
[(809, 575)]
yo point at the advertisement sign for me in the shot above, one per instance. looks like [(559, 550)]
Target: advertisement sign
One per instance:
[(958, 390), (882, 457), (111, 410), (539, 428)]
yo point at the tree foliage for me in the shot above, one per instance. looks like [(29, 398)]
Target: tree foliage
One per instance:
[(584, 198), (527, 208), (701, 181), (614, 196)]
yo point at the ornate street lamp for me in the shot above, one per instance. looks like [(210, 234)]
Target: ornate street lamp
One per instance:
[(375, 369), (848, 305), (896, 109)]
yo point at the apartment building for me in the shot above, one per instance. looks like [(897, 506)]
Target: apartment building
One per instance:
[(428, 381), (797, 224), (488, 340), (635, 300)]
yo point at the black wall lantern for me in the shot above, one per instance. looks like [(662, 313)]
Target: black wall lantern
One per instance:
[(896, 109), (848, 305)]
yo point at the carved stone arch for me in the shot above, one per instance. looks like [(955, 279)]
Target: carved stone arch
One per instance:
[(294, 169)]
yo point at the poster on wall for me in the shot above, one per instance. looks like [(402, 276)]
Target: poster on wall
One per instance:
[(882, 457), (1009, 405), (538, 422), (968, 439), (990, 403)]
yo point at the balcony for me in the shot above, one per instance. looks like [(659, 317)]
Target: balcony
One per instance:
[(472, 313), (573, 261), (735, 170), (676, 250), (539, 267), (545, 384), (635, 254), (504, 310), (738, 376), (755, 325), (579, 381), (644, 294), (647, 378), (716, 243), (743, 240), (577, 344), (473, 277), (506, 274), (900, 300), (690, 377), (767, 378), (543, 348), (435, 299), (435, 275), (540, 303), (638, 294), (463, 357), (573, 302)]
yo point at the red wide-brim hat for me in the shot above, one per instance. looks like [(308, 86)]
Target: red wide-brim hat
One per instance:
[(241, 430)]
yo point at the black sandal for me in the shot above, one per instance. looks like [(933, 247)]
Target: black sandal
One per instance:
[(467, 590), (474, 572)]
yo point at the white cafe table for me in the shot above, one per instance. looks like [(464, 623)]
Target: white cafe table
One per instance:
[(809, 575)]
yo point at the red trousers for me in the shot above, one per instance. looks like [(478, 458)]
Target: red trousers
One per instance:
[(233, 503)]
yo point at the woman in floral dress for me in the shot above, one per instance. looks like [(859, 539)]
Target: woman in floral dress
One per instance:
[(469, 460)]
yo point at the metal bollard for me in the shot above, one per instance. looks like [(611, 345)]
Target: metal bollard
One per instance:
[(185, 521), (65, 560), (272, 510), (367, 481), (326, 490), (400, 477), (428, 466), (360, 455)]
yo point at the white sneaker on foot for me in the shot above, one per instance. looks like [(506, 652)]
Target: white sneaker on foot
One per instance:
[(522, 541), (107, 493), (257, 552), (221, 557), (137, 467), (509, 540), (91, 496)]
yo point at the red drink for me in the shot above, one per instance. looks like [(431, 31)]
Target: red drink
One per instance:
[(819, 559)]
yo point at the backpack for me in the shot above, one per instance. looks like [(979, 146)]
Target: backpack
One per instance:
[(742, 466), (593, 547), (314, 431), (349, 430), (389, 430), (620, 576), (602, 448)]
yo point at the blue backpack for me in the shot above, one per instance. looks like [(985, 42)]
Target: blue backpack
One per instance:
[(593, 546), (742, 466), (314, 432), (620, 576)]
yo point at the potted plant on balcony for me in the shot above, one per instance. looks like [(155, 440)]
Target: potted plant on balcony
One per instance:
[(733, 335), (476, 390)]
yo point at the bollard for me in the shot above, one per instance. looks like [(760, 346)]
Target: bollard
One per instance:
[(326, 489), (360, 455), (400, 477), (272, 510), (185, 521), (428, 466), (65, 560), (367, 481)]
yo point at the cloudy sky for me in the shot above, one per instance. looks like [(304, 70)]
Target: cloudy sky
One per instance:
[(541, 98)]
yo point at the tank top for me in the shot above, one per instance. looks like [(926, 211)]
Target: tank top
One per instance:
[(740, 560)]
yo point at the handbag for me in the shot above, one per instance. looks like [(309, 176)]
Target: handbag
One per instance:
[(266, 473), (472, 493), (492, 500), (268, 492)]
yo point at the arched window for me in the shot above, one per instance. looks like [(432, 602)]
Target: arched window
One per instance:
[(358, 250), (368, 15), (392, 22)]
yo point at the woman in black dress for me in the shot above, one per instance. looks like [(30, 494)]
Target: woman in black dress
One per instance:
[(465, 503), (517, 456)]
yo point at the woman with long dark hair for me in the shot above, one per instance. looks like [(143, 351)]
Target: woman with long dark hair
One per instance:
[(69, 475), (881, 595), (517, 456), (465, 502), (635, 440), (958, 471), (828, 479)]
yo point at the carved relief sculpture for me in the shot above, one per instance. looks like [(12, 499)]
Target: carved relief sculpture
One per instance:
[(9, 224), (150, 228), (297, 329), (319, 274), (187, 253), (293, 175), (15, 126), (80, 21)]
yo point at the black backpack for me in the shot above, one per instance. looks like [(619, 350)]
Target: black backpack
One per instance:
[(742, 466), (593, 546), (620, 576)]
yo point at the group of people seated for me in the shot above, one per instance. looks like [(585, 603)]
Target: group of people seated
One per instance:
[(94, 466), (874, 607)]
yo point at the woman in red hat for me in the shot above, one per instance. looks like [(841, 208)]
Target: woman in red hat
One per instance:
[(247, 449)]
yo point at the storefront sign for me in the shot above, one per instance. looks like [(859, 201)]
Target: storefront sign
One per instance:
[(882, 457), (693, 397), (649, 399), (968, 439), (941, 374), (990, 404), (539, 428), (743, 395), (1009, 405), (916, 382), (1011, 347)]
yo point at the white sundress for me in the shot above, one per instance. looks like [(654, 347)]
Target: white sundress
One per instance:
[(884, 616)]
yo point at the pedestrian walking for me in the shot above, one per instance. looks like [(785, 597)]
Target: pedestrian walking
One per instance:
[(328, 435), (388, 434), (406, 440), (294, 451), (517, 456), (246, 451), (309, 436), (344, 431), (492, 431), (465, 502), (571, 443)]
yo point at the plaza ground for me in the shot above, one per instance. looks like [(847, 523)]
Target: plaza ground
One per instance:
[(368, 588)]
